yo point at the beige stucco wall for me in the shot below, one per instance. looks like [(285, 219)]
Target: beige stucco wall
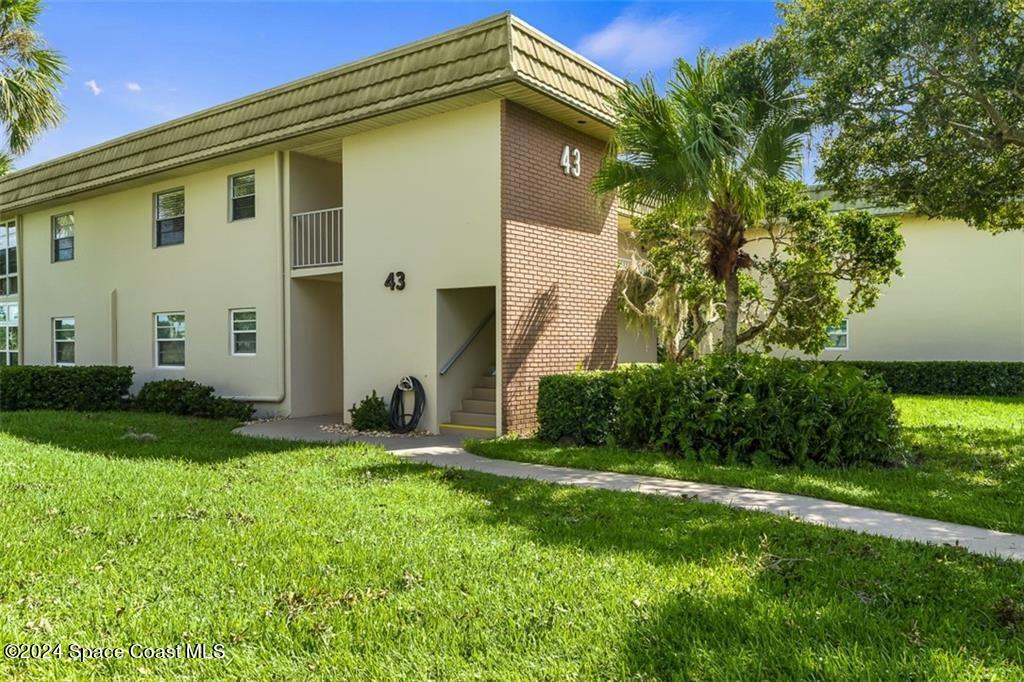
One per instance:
[(421, 197), (313, 183), (961, 297), (220, 266), (314, 305), (637, 344), (316, 345)]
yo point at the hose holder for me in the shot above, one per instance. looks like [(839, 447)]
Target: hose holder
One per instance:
[(402, 422)]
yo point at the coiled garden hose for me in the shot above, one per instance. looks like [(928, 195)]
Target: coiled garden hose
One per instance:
[(400, 421)]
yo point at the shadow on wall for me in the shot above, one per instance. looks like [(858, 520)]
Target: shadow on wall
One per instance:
[(525, 334), (604, 348), (529, 330)]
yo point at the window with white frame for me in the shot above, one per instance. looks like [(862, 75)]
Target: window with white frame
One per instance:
[(63, 340), (9, 334), (170, 339), (839, 336), (63, 227), (243, 331), (169, 207), (8, 258), (243, 195)]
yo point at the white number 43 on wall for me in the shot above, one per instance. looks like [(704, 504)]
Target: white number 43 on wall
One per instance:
[(571, 161)]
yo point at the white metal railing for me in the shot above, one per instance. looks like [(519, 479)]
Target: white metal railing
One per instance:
[(316, 238)]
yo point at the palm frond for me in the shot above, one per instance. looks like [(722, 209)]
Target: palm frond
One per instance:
[(708, 148), (30, 76)]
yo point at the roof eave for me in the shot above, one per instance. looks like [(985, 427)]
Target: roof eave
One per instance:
[(489, 53)]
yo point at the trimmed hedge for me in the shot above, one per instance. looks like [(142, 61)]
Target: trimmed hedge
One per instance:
[(946, 377), (577, 407), (746, 409), (85, 389), (189, 399)]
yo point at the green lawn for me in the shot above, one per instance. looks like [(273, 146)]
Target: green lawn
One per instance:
[(967, 464), (343, 562)]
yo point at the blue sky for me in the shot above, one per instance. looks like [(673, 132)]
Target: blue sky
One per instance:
[(135, 64)]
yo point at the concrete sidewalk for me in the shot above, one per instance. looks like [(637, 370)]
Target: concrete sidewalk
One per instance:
[(807, 509), (441, 451)]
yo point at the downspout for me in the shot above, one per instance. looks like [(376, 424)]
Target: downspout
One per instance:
[(113, 327), (282, 277), (499, 287), (19, 236)]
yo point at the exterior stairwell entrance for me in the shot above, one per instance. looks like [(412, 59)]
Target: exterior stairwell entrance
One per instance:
[(477, 416), (466, 345)]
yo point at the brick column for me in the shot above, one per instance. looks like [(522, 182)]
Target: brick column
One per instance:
[(558, 258)]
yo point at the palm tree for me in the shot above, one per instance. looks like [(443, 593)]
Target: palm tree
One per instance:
[(707, 151), (30, 75)]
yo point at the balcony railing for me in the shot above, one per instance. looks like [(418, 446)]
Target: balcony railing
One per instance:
[(316, 238)]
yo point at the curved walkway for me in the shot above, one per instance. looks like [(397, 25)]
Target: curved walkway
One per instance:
[(441, 452)]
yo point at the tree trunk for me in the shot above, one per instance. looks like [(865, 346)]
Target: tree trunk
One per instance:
[(731, 321), (725, 258)]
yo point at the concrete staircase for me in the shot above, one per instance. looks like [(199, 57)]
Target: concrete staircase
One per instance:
[(477, 417)]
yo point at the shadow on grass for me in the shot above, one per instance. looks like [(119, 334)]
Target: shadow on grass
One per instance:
[(745, 595), (763, 636), (940, 400), (966, 446), (969, 475), (940, 446), (139, 435), (749, 583)]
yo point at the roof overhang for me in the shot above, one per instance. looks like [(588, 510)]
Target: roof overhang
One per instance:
[(497, 57)]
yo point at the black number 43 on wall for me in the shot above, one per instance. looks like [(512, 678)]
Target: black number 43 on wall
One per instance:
[(395, 281)]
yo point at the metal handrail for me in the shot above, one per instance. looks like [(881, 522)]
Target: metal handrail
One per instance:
[(465, 344)]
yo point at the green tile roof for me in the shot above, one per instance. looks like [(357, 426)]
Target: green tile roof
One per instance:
[(488, 55)]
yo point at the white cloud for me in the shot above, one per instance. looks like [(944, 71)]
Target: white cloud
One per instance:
[(93, 87), (639, 43), (133, 86)]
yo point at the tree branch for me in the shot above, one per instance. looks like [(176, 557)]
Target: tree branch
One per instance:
[(752, 332)]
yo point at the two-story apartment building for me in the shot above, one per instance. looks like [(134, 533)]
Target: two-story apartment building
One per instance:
[(425, 212), (422, 212)]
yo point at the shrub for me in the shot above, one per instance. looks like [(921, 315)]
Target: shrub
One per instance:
[(745, 409), (371, 414), (947, 377), (85, 388), (578, 407), (189, 399)]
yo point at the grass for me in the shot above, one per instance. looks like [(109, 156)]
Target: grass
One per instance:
[(967, 464), (344, 562)]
